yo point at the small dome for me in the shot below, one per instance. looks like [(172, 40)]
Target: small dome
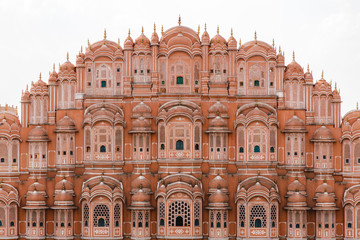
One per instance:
[(66, 123), (38, 134), (294, 124), (35, 196), (296, 198), (141, 123), (37, 186), (140, 197), (232, 43), (323, 133), (324, 188), (325, 198), (294, 68), (141, 108), (64, 185), (140, 182), (218, 122), (129, 43), (53, 76), (63, 196), (154, 38), (218, 39), (67, 67), (205, 38), (142, 40), (296, 185), (218, 183), (218, 197), (218, 107), (346, 127)]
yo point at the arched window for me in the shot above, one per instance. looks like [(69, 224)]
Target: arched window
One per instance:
[(218, 220), (162, 213), (101, 222), (242, 216), (117, 215), (179, 221), (103, 84), (256, 83), (272, 149), (258, 223), (256, 149), (102, 148), (180, 80), (179, 145), (241, 150)]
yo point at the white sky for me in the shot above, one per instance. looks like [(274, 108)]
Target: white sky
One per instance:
[(36, 34)]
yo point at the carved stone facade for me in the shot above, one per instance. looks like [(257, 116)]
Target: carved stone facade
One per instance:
[(180, 137)]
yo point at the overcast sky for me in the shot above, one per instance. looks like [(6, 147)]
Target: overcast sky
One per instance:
[(323, 33)]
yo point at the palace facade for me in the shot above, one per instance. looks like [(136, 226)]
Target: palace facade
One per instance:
[(180, 136)]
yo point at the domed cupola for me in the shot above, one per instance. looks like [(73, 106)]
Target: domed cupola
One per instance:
[(154, 37), (295, 124), (142, 43), (218, 183), (218, 42), (38, 134), (53, 76), (129, 43), (205, 38), (232, 43), (141, 192), (67, 67), (323, 134), (294, 69), (66, 124), (36, 196)]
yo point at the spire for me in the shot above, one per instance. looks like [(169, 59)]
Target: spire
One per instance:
[(129, 32), (162, 30), (279, 49), (119, 41), (54, 67), (81, 49), (231, 32), (308, 69), (142, 30), (217, 30), (255, 36), (104, 33), (154, 27), (88, 43), (40, 76), (67, 56), (273, 43), (198, 30), (322, 74), (240, 42), (294, 56), (179, 20), (205, 27), (335, 86)]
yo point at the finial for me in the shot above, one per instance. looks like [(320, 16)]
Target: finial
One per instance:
[(255, 37), (154, 27), (279, 49), (81, 49), (335, 86), (294, 56), (53, 67), (273, 43), (88, 43), (199, 29), (357, 105), (179, 20), (240, 42), (162, 30), (205, 27), (104, 33), (322, 74), (67, 56), (142, 30), (217, 29), (27, 87), (308, 69), (129, 32), (119, 41), (40, 76), (231, 32)]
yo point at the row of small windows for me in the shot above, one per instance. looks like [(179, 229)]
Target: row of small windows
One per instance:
[(180, 146), (2, 160), (256, 149), (295, 153), (64, 153), (117, 70)]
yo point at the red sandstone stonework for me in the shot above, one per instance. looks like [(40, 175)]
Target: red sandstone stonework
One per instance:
[(181, 137)]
